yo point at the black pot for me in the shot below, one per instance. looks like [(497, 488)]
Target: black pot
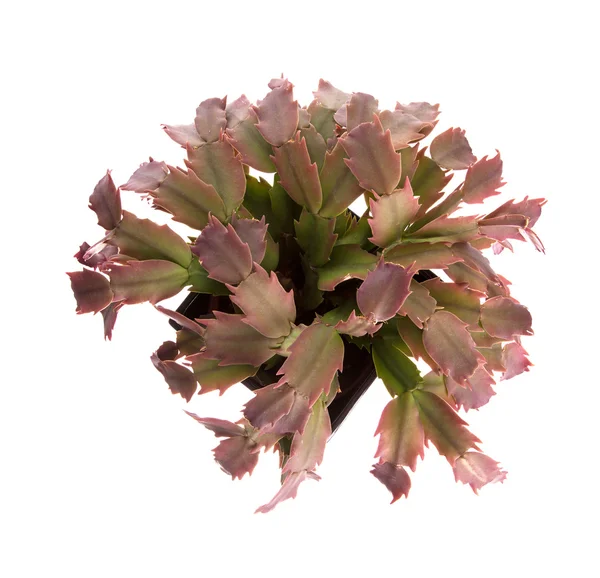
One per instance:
[(358, 371)]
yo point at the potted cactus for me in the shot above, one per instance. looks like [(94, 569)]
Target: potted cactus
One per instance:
[(306, 301)]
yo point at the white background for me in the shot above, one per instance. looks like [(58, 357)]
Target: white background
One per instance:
[(102, 474)]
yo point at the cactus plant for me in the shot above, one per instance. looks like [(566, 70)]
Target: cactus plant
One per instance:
[(295, 282)]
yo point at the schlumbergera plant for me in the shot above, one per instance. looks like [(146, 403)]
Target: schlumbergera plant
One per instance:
[(295, 281)]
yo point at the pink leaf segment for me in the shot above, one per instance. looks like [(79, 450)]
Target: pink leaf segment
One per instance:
[(394, 478), (372, 158), (451, 150), (268, 307), (314, 359), (391, 215), (277, 115), (92, 291), (451, 346), (384, 290), (222, 253), (401, 436), (289, 489), (179, 379), (505, 317), (105, 201), (477, 470), (234, 342)]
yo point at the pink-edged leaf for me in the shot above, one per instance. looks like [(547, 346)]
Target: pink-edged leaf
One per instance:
[(277, 115), (214, 377), (237, 111), (451, 346), (296, 418), (423, 255), (422, 110), (477, 470), (218, 165), (168, 351), (237, 456), (200, 282), (91, 290), (139, 281), (391, 214), (222, 253), (105, 201), (530, 208), (314, 359), (183, 134), (372, 158), (254, 150), (234, 342), (339, 186), (289, 489), (465, 303), (308, 447), (181, 380), (269, 404), (443, 427), (462, 273), (109, 317), (254, 233), (384, 290), (95, 260), (315, 144), (503, 228), (220, 427), (189, 199), (269, 308), (144, 239), (514, 359), (476, 260), (419, 306), (505, 317), (357, 326), (428, 182), (451, 150), (210, 119), (478, 390), (483, 180), (394, 478), (413, 337), (360, 108), (147, 177), (182, 320), (446, 229), (405, 128), (329, 96), (298, 176), (400, 432), (537, 242), (345, 262)]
